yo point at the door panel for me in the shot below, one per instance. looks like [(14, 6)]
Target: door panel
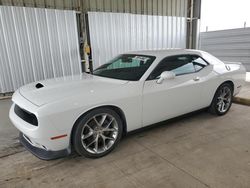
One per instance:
[(208, 83), (171, 98), (190, 90)]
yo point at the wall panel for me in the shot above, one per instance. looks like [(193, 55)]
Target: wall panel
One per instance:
[(115, 33), (36, 44), (228, 45)]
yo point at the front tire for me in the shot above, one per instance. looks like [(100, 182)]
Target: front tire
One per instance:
[(222, 100), (97, 133)]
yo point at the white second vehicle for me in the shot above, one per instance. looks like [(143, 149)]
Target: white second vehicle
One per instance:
[(91, 112)]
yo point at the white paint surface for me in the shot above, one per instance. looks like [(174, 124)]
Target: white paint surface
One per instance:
[(62, 101)]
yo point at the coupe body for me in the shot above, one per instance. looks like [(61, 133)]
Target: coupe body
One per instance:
[(89, 113)]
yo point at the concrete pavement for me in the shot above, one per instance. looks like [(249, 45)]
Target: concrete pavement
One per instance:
[(244, 96), (200, 150)]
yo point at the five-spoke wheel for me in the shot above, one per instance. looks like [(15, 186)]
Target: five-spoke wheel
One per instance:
[(97, 132), (222, 100)]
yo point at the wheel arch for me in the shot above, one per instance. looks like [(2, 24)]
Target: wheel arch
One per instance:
[(212, 107), (230, 82), (118, 110)]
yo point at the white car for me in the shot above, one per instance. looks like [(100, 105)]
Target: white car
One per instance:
[(90, 113)]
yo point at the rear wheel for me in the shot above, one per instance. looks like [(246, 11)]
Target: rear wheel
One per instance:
[(97, 133), (222, 100)]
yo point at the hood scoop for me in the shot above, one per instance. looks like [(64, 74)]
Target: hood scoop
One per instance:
[(39, 85)]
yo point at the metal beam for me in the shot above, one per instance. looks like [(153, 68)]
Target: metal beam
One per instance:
[(193, 17)]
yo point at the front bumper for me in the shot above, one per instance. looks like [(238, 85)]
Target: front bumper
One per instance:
[(42, 153), (40, 135), (39, 139)]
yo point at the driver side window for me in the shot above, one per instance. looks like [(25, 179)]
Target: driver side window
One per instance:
[(181, 64), (177, 64)]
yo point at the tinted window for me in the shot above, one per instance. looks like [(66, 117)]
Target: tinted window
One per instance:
[(184, 64), (178, 64), (199, 63), (125, 67)]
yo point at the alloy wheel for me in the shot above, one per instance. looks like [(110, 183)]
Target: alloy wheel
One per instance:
[(224, 99), (99, 133)]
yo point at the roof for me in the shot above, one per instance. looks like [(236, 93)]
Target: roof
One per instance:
[(167, 52)]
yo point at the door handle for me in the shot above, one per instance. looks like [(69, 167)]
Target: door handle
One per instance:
[(196, 78)]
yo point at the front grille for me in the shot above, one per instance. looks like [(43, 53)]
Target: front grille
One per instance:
[(25, 115)]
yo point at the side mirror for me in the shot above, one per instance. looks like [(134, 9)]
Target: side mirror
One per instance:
[(166, 75)]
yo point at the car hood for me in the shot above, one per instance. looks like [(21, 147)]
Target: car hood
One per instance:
[(51, 90)]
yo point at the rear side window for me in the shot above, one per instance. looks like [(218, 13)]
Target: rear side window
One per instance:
[(180, 65), (199, 63)]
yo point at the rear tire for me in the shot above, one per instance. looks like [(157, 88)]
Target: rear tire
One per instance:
[(222, 100), (97, 133)]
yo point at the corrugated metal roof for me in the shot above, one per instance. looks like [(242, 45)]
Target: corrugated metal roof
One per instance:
[(150, 7)]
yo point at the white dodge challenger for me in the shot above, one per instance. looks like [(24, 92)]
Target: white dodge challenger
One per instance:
[(89, 113)]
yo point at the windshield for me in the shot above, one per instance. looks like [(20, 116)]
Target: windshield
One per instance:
[(125, 67)]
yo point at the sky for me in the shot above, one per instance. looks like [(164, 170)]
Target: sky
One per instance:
[(224, 14)]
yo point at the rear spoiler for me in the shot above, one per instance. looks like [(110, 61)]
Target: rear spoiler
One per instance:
[(229, 62)]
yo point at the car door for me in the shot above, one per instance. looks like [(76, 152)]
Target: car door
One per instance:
[(177, 96)]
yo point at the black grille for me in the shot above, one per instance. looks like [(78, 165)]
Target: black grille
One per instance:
[(26, 116)]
